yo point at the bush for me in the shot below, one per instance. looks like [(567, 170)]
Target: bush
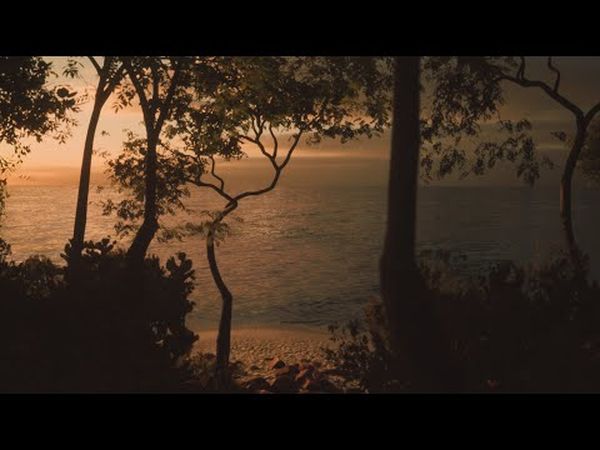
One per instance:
[(112, 329), (514, 329)]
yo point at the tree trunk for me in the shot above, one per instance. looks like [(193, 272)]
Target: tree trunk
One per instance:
[(84, 177), (224, 336), (566, 194), (145, 234), (416, 336), (398, 267)]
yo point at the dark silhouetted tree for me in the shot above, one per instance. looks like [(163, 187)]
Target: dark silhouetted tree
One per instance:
[(264, 102), (468, 91), (158, 83), (110, 73), (30, 109)]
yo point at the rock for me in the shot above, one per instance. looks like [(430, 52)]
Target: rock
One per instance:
[(304, 375), (335, 372), (254, 367), (264, 391), (283, 385), (311, 385), (287, 370), (276, 363), (257, 384), (328, 387)]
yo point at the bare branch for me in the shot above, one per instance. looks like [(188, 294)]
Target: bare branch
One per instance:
[(168, 103), (524, 82), (214, 174), (521, 71), (556, 71), (592, 112), (115, 79), (140, 91), (278, 170), (96, 65), (291, 150), (275, 142)]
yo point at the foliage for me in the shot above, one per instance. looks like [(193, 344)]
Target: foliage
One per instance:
[(29, 107), (111, 330), (465, 96), (126, 171), (514, 329)]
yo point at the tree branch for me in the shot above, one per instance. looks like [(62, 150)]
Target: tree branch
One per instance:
[(166, 106), (96, 65), (141, 93), (278, 170), (275, 142), (592, 112), (524, 82), (556, 71), (214, 174)]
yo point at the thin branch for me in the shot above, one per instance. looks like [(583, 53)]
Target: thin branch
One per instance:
[(524, 82), (141, 93), (278, 170), (592, 112), (96, 65), (115, 79), (217, 189), (521, 71), (275, 142), (556, 71), (214, 174), (167, 104)]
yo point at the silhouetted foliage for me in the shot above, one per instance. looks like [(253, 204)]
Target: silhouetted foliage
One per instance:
[(514, 329), (30, 107), (98, 334)]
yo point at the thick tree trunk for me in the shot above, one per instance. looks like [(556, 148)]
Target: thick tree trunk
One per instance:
[(416, 335), (145, 234), (224, 336), (398, 267), (566, 195), (84, 177)]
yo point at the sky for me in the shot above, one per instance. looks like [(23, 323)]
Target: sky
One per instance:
[(51, 163)]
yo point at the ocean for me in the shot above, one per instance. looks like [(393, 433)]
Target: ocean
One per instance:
[(307, 253)]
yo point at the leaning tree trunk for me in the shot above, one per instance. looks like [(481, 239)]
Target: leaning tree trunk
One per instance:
[(566, 194), (145, 234), (416, 337), (224, 335), (84, 178)]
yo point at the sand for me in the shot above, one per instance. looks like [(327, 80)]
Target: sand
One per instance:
[(256, 347)]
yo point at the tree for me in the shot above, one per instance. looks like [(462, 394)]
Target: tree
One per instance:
[(30, 109), (260, 102), (157, 83), (589, 160), (415, 335), (110, 73), (467, 91)]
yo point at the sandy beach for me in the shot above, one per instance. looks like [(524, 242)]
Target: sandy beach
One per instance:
[(256, 346)]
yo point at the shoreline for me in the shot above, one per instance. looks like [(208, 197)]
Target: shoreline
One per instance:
[(254, 348)]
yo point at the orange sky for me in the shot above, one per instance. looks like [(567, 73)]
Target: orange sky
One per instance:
[(48, 160)]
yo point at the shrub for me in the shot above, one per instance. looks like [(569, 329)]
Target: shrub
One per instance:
[(513, 329), (111, 330)]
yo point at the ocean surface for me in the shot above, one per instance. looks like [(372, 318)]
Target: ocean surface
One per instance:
[(308, 254)]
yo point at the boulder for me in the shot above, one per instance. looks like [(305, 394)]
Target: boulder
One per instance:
[(283, 384), (276, 363), (257, 384), (287, 370), (304, 375)]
